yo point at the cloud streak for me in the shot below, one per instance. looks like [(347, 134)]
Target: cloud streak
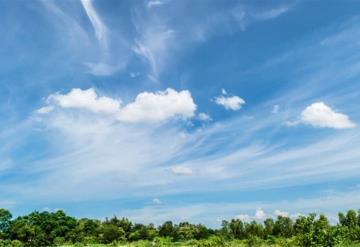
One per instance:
[(101, 31)]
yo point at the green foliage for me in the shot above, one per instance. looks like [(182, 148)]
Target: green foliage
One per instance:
[(166, 229), (57, 229), (111, 233), (162, 242), (283, 227), (253, 241), (315, 232), (5, 217), (213, 241), (9, 243)]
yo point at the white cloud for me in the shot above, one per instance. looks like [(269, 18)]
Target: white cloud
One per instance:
[(152, 3), (101, 69), (245, 16), (86, 99), (278, 212), (320, 115), (260, 214), (181, 170), (159, 106), (210, 212), (244, 217), (98, 25), (292, 123), (148, 107), (157, 201), (275, 109), (45, 109), (230, 103), (271, 13), (153, 46), (204, 117)]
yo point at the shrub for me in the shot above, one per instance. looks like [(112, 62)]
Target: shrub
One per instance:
[(253, 241)]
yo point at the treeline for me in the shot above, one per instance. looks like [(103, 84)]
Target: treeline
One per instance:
[(56, 228)]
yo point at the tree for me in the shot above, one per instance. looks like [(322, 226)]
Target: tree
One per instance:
[(5, 217), (111, 233), (269, 227), (351, 219), (124, 223), (253, 229), (166, 229), (283, 227), (312, 232), (237, 230)]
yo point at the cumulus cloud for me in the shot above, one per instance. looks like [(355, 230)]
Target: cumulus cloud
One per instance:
[(181, 170), (148, 107), (243, 217), (204, 117), (233, 103), (157, 201), (278, 212), (155, 107), (86, 99), (320, 115), (260, 214)]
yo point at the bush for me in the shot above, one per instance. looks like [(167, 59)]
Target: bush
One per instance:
[(162, 242), (59, 241), (286, 242), (253, 241), (9, 243), (143, 243), (213, 241)]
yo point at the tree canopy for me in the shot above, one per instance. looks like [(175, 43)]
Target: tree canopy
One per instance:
[(39, 229)]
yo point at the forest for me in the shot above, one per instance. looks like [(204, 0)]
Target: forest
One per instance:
[(39, 229)]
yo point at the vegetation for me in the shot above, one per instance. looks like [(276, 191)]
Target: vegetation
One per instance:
[(58, 229)]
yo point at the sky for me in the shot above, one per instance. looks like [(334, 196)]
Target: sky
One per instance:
[(180, 110)]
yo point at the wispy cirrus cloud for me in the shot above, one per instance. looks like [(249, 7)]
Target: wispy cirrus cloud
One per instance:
[(153, 3), (106, 137), (160, 37), (100, 29), (153, 46)]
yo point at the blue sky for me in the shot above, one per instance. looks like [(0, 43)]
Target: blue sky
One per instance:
[(180, 110)]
